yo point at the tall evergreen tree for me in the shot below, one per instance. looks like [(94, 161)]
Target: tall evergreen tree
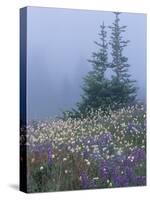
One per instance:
[(95, 88), (98, 91), (122, 90)]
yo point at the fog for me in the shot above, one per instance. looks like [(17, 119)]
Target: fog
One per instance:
[(59, 42)]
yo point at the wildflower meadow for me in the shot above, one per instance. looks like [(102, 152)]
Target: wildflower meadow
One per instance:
[(100, 151)]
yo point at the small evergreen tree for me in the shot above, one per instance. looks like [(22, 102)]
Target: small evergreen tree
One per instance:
[(122, 91), (96, 86)]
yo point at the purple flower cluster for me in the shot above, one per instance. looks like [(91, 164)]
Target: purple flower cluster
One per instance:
[(104, 139), (121, 169), (86, 183), (123, 176), (49, 152), (105, 171), (138, 155)]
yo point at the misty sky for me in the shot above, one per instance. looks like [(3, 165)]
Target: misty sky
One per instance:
[(59, 42)]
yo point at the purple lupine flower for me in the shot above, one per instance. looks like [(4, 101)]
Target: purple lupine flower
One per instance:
[(104, 171), (120, 180), (128, 171), (120, 176), (85, 182), (49, 151), (104, 139), (41, 148), (123, 161), (85, 154), (137, 155), (123, 175)]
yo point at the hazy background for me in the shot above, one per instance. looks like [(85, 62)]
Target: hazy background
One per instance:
[(59, 42)]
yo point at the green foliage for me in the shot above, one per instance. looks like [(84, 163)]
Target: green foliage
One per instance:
[(119, 62), (96, 86), (99, 91), (122, 93), (122, 87)]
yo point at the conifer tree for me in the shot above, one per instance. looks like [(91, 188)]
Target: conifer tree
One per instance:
[(122, 91), (99, 91), (95, 88)]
